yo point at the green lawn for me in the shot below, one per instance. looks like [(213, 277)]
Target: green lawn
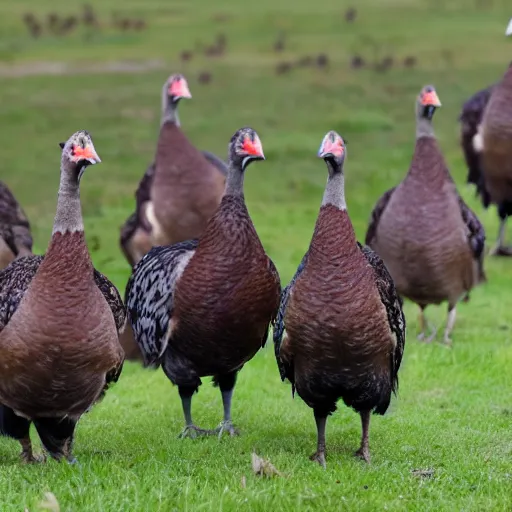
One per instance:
[(453, 414)]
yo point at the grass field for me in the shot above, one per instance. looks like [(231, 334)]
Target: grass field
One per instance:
[(453, 414)]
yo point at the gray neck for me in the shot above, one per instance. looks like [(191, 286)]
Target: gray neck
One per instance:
[(169, 109), (424, 127), (68, 218), (335, 189), (234, 182)]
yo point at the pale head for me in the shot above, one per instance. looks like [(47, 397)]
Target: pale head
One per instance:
[(333, 148), (176, 88), (427, 102), (78, 153), (245, 147), (508, 32)]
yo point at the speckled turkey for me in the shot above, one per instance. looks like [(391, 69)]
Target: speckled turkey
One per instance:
[(203, 307)]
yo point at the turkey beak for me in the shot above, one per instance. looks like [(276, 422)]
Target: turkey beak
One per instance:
[(329, 149), (179, 89), (431, 99), (88, 154)]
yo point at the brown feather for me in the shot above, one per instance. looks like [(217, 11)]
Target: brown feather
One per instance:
[(347, 339), (186, 189), (421, 234), (497, 141), (64, 332), (222, 317)]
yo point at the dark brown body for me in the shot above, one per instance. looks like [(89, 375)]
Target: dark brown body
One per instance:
[(421, 235), (62, 341), (338, 351), (497, 141), (186, 189), (224, 300)]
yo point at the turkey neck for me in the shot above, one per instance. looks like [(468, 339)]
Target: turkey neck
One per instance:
[(234, 181), (335, 189), (424, 127), (169, 110), (68, 218)]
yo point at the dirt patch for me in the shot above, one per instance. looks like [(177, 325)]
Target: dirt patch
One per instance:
[(65, 68)]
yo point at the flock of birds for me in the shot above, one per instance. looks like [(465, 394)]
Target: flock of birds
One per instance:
[(57, 25), (203, 293)]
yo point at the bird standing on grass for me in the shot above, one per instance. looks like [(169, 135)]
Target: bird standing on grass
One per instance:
[(429, 239), (203, 307), (340, 330), (59, 325)]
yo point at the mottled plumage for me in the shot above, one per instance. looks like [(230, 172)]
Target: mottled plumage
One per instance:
[(150, 296), (203, 307)]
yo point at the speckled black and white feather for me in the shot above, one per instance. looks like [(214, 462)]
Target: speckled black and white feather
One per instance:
[(150, 296), (15, 279), (393, 304), (285, 370)]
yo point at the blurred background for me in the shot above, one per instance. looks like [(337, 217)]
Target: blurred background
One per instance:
[(292, 70)]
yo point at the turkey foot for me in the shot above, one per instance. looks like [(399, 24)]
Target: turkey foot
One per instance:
[(228, 427), (194, 432), (319, 456)]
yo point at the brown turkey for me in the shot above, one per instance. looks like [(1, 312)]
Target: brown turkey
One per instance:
[(59, 325), (340, 330), (496, 152), (186, 188), (429, 239), (203, 307), (472, 144), (136, 233)]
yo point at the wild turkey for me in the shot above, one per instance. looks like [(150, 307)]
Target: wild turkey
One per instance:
[(174, 203), (203, 307), (15, 236), (340, 330), (59, 325), (429, 239)]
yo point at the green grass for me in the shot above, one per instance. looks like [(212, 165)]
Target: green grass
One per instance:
[(453, 413)]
